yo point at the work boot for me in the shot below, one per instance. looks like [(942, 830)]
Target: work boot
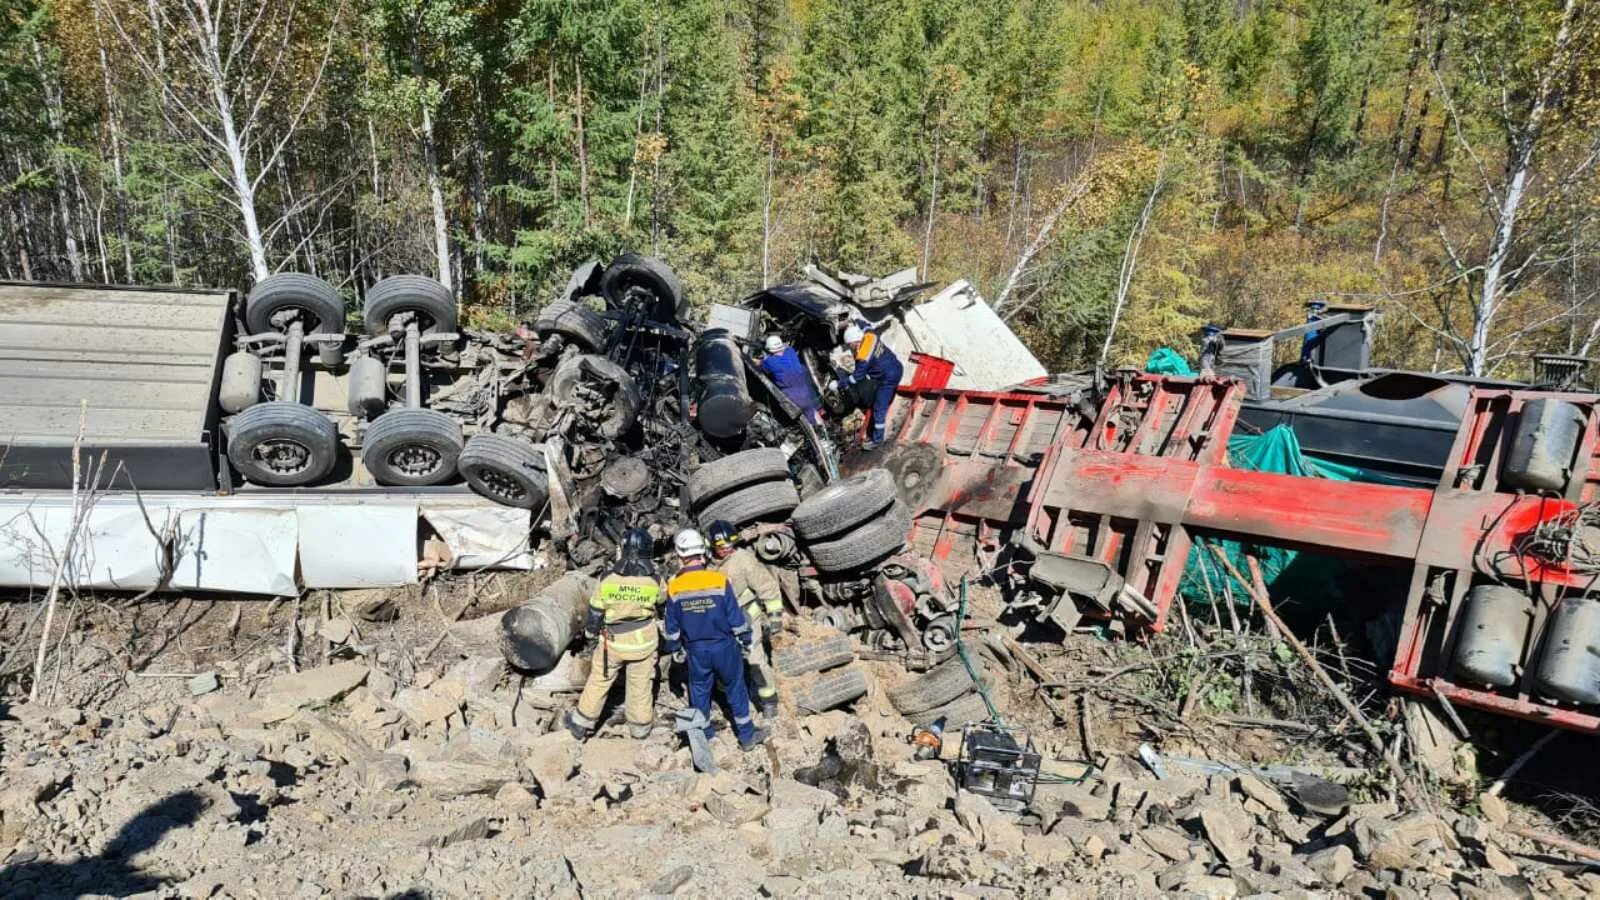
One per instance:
[(579, 731), (769, 708), (757, 738), (640, 731)]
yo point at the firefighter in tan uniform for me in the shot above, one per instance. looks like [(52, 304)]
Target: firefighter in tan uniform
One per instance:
[(622, 615), (761, 597)]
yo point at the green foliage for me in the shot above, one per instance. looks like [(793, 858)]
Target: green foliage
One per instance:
[(1347, 147)]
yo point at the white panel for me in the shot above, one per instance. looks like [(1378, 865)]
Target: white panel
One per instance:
[(370, 545), (958, 325), (483, 535), (247, 550)]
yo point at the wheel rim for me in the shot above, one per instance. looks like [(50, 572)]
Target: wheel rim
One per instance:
[(498, 484), (416, 460), (938, 638), (282, 456)]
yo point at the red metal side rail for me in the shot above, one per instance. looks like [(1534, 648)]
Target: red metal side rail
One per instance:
[(965, 461), (1155, 475)]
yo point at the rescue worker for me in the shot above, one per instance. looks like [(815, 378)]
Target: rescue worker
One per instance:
[(876, 365), (782, 364), (622, 616), (705, 628), (761, 597)]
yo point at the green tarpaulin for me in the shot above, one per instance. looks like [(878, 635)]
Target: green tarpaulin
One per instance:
[(1205, 578), (1167, 361)]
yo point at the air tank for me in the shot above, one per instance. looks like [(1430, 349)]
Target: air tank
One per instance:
[(534, 635), (722, 398), (1492, 631), (1569, 666), (1543, 446)]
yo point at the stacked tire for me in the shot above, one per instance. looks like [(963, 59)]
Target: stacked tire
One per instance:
[(948, 692), (742, 488), (819, 674), (854, 523)]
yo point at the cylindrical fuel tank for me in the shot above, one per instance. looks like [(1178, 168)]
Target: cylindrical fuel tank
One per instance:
[(241, 381), (534, 635), (1543, 446), (721, 396), (369, 387), (1569, 665), (1491, 633)]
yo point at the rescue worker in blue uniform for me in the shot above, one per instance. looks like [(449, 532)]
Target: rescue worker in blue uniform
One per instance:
[(875, 364), (705, 628), (784, 367)]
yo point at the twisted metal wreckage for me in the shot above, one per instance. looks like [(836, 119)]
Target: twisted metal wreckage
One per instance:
[(1080, 497)]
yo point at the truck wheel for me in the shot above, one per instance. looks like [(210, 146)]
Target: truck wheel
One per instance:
[(942, 684), (412, 447), (241, 381), (631, 270), (869, 543), (960, 712), (759, 501), (277, 298), (844, 504), (832, 690), (813, 656), (721, 477), (282, 444), (575, 322), (432, 302), (621, 410), (506, 470)]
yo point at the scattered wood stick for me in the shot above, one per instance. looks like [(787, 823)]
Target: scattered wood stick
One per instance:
[(1265, 604), (1517, 764), (65, 557), (1582, 851), (1040, 675)]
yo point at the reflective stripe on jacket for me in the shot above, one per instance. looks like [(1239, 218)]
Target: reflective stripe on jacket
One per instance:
[(701, 608), (625, 605)]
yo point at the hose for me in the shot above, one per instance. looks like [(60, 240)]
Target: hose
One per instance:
[(983, 691)]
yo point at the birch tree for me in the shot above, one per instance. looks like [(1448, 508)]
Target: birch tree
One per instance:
[(1519, 62), (238, 81)]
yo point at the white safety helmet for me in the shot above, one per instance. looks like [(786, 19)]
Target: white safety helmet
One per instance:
[(774, 343), (689, 543), (853, 334)]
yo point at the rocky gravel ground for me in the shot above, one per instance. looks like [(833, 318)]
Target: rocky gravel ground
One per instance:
[(443, 774)]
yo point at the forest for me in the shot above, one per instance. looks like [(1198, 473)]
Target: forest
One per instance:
[(1111, 175)]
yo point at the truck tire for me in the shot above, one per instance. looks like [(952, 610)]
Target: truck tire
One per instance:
[(506, 470), (721, 477), (869, 543), (282, 444), (241, 382), (941, 684), (431, 301), (577, 323), (844, 504), (625, 401), (831, 690), (634, 270), (412, 447), (772, 499), (318, 302), (802, 658), (960, 712)]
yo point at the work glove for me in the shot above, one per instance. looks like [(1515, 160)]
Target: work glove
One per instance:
[(749, 650), (680, 656)]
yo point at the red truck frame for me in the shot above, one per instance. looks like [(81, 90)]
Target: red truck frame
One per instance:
[(1108, 497)]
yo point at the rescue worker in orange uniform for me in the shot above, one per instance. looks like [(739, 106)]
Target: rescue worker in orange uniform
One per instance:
[(705, 628)]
